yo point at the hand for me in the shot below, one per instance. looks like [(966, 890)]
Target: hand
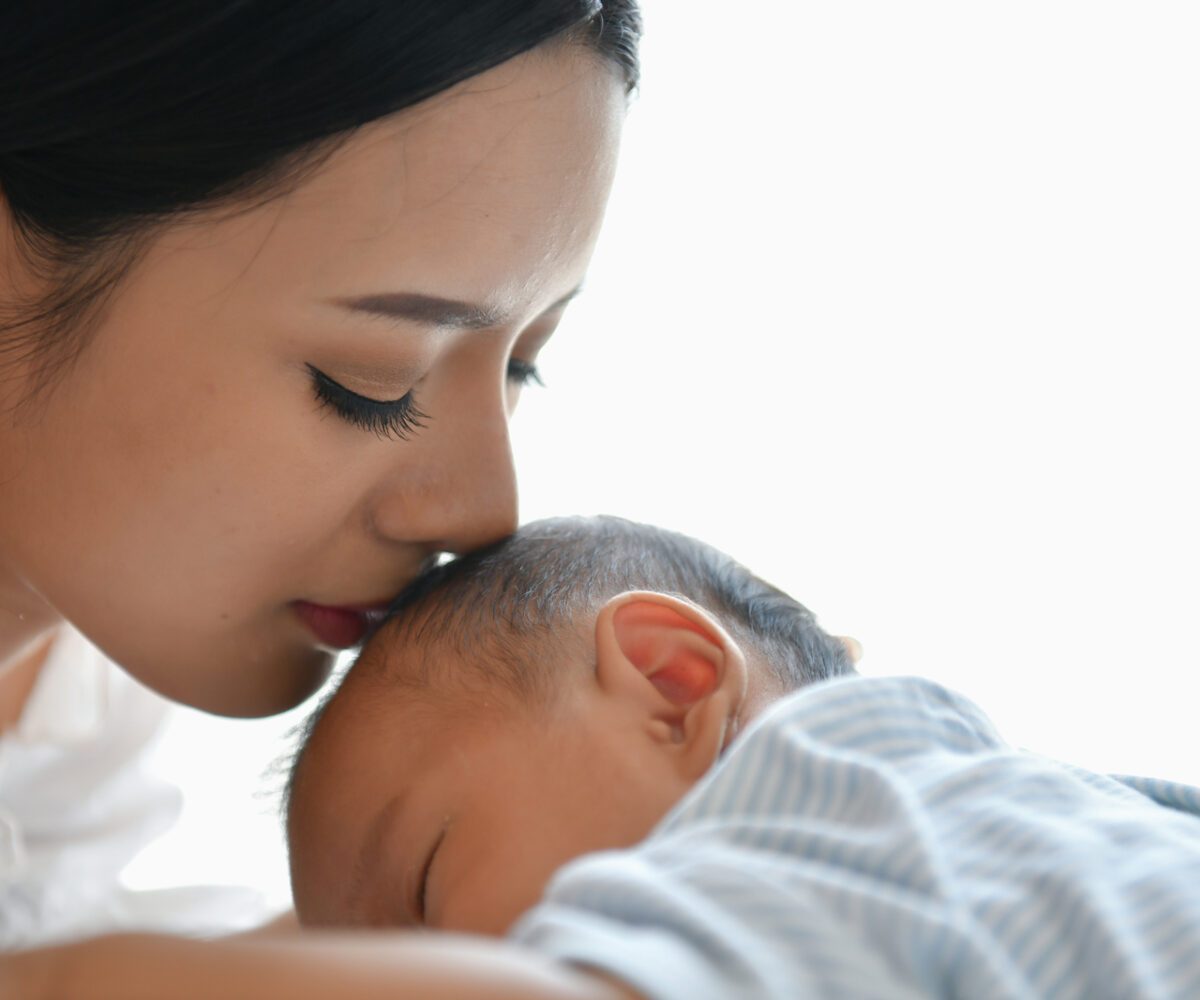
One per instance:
[(313, 966), (27, 975)]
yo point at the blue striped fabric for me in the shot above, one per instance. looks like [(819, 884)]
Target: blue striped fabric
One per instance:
[(877, 838)]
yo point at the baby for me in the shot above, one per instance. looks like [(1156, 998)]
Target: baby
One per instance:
[(622, 749)]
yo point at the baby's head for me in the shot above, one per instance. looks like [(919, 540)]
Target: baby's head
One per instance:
[(553, 695)]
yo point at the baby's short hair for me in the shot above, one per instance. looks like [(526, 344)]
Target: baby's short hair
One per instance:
[(512, 613)]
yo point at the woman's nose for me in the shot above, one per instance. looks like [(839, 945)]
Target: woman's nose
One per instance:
[(453, 487), (480, 504)]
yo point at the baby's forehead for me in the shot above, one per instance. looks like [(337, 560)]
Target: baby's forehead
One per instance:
[(426, 668), (421, 645), (447, 652), (504, 619), (355, 724)]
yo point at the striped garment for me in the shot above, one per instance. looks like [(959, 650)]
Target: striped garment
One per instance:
[(877, 838)]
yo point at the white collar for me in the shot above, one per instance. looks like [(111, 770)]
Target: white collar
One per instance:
[(70, 700)]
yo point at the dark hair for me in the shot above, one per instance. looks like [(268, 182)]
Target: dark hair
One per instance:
[(117, 116), (511, 611)]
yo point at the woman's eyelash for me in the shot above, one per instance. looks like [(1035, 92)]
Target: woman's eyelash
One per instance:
[(397, 418), (524, 372)]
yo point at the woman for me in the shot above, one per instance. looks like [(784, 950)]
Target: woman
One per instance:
[(272, 275)]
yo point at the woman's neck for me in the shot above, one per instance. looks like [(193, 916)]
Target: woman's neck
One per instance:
[(28, 626), (18, 680), (25, 619)]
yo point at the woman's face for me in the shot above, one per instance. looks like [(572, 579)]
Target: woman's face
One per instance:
[(286, 412)]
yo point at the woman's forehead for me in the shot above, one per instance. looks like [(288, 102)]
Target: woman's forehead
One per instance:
[(475, 196)]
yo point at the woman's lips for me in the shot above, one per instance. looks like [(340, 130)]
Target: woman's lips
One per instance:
[(338, 628)]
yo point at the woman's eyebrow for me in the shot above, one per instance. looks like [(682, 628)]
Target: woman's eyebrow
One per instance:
[(433, 310)]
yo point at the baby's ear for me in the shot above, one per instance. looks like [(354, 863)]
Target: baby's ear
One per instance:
[(675, 666)]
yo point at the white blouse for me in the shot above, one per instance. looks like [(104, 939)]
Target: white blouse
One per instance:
[(77, 805)]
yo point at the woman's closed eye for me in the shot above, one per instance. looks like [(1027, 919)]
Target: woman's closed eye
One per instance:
[(387, 418), (393, 418)]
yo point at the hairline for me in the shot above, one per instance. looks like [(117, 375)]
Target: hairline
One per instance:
[(109, 261)]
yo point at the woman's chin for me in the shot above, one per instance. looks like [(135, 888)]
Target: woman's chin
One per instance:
[(245, 683)]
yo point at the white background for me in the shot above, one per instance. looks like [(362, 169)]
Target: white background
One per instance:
[(897, 304)]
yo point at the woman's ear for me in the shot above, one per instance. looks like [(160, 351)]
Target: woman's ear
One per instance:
[(672, 664)]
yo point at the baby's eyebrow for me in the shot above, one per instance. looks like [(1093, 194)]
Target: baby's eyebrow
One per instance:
[(369, 859)]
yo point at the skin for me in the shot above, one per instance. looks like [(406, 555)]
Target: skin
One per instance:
[(644, 713), (182, 486), (19, 682), (502, 795)]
